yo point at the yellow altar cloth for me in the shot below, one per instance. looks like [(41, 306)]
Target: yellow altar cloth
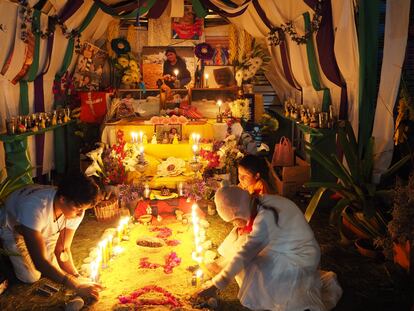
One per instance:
[(208, 129)]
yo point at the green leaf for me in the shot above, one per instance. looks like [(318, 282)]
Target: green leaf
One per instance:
[(336, 213), (394, 168), (310, 210)]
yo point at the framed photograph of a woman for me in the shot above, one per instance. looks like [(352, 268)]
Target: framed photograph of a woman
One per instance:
[(188, 27)]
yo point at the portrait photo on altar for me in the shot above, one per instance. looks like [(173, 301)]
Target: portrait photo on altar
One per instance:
[(166, 133), (218, 76), (188, 27)]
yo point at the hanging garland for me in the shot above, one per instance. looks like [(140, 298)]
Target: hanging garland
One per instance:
[(26, 15), (276, 34)]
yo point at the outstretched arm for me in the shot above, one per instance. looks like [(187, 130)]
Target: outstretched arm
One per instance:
[(63, 246), (37, 250)]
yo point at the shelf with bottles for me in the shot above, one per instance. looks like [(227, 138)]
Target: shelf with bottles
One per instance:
[(20, 127)]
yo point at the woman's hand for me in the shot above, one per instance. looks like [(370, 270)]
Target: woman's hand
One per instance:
[(89, 290), (209, 290)]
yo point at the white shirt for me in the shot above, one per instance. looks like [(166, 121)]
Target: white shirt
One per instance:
[(32, 207)]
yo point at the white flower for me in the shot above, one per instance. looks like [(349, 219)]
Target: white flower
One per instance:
[(171, 167), (239, 77), (130, 163), (93, 169), (96, 154)]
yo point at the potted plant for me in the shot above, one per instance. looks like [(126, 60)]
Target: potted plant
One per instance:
[(398, 241), (360, 204)]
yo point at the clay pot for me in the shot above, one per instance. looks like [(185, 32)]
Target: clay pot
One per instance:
[(367, 249)]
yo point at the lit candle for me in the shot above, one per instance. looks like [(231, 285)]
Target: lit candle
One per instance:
[(199, 276), (94, 271), (180, 188), (176, 72), (219, 103), (140, 137), (195, 149), (141, 150), (109, 243), (102, 247), (147, 191), (134, 137), (206, 79)]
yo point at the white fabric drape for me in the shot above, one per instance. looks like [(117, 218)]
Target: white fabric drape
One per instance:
[(396, 31), (347, 54)]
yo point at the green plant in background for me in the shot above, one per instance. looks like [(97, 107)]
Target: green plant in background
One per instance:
[(268, 124), (361, 199)]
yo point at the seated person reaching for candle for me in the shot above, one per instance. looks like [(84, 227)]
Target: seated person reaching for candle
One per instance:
[(252, 171), (38, 222), (272, 253), (175, 70)]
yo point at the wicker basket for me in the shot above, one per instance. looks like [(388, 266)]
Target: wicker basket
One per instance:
[(107, 209)]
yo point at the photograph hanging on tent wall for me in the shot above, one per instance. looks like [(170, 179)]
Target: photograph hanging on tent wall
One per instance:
[(153, 58), (89, 68), (188, 27)]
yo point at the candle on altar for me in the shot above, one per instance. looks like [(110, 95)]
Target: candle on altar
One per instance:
[(199, 276), (147, 191), (195, 152), (206, 80), (180, 189), (219, 103), (134, 137)]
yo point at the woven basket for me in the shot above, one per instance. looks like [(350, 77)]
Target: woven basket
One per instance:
[(107, 209)]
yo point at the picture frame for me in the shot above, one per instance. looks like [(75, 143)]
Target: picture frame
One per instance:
[(163, 131), (218, 76), (153, 58), (188, 27)]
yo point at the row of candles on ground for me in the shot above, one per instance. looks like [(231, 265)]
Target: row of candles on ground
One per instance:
[(197, 254), (109, 246)]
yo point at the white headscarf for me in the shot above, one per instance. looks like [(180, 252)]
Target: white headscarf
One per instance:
[(233, 202)]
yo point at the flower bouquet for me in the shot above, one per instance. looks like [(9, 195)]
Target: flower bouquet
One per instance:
[(125, 63), (254, 61), (129, 194), (240, 109)]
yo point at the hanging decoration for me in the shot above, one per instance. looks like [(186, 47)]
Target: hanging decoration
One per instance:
[(232, 43), (276, 34), (204, 51)]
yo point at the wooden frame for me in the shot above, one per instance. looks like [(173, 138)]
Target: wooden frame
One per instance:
[(161, 129), (218, 76)]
